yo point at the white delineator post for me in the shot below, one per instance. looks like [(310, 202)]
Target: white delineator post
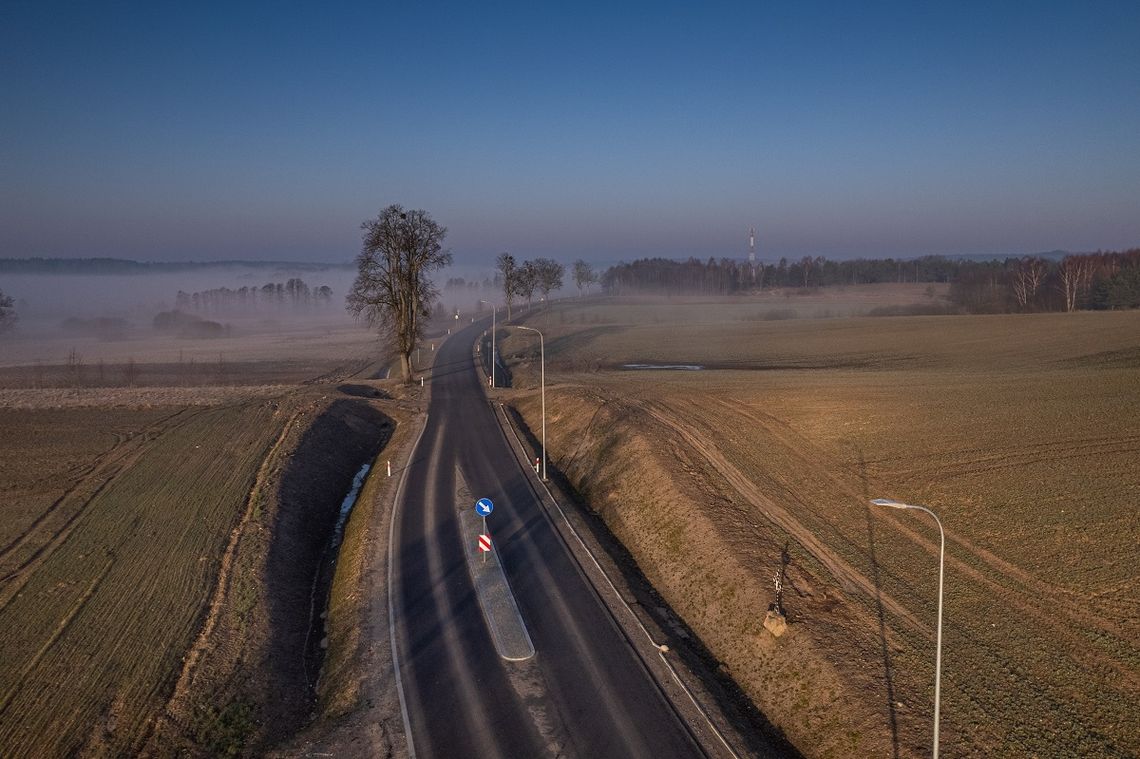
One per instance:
[(542, 353), (494, 317), (938, 637)]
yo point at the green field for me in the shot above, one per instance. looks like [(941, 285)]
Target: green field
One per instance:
[(167, 508), (1022, 432), (103, 593)]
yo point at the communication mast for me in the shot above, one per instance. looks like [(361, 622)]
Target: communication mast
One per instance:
[(752, 251)]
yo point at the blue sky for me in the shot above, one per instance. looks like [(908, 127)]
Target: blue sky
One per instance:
[(164, 131)]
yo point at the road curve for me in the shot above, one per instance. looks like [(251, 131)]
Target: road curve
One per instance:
[(586, 692)]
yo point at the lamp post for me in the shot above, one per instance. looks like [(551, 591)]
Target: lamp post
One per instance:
[(494, 314), (542, 353), (938, 645)]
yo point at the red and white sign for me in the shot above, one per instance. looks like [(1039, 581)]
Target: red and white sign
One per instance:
[(484, 542)]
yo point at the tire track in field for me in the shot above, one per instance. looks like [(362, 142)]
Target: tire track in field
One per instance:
[(1036, 598), (121, 449), (983, 454), (847, 575), (797, 444), (15, 579), (60, 629), (221, 588), (1010, 458), (1071, 603), (341, 373)]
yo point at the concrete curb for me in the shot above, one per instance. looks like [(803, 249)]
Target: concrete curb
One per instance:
[(508, 630)]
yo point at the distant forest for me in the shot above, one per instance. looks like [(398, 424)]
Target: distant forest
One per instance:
[(1101, 280), (127, 266), (224, 300)]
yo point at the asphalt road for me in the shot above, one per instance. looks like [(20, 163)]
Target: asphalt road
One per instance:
[(585, 693)]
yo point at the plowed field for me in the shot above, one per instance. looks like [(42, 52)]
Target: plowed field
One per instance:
[(166, 509), (112, 544), (1021, 432)]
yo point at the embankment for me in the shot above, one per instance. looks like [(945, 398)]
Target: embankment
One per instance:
[(713, 562), (249, 682)]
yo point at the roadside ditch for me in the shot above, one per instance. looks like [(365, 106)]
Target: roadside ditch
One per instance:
[(253, 681), (705, 678)]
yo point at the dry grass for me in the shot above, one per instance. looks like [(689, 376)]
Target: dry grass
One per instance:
[(1020, 431)]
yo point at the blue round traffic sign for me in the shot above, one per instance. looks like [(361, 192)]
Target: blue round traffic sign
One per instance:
[(483, 507)]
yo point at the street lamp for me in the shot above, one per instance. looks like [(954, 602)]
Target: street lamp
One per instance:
[(542, 353), (938, 644), (494, 313)]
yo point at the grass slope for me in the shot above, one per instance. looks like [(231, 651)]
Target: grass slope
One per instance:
[(1020, 431)]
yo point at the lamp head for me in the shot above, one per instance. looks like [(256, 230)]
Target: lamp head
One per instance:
[(891, 504)]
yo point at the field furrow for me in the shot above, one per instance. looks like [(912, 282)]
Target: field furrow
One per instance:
[(154, 532), (1041, 603), (1027, 451)]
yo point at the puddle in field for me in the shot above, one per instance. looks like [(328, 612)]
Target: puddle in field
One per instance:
[(682, 367)]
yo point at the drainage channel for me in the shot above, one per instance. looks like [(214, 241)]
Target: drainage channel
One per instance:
[(347, 504)]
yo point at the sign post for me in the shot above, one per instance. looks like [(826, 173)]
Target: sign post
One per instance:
[(483, 507)]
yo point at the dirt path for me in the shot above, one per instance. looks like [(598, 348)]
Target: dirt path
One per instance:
[(1031, 596), (848, 577), (1035, 597)]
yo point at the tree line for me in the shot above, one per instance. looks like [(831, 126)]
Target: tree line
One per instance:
[(393, 289), (294, 294), (1097, 281), (728, 276), (1101, 280), (523, 280)]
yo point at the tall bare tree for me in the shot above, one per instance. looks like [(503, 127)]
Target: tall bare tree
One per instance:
[(509, 270), (806, 264), (1027, 280), (548, 276), (8, 317), (1074, 275), (584, 276), (392, 288), (526, 281)]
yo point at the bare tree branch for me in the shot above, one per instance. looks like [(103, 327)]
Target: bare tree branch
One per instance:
[(392, 290)]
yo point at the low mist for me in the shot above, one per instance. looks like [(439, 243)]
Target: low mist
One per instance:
[(52, 298)]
